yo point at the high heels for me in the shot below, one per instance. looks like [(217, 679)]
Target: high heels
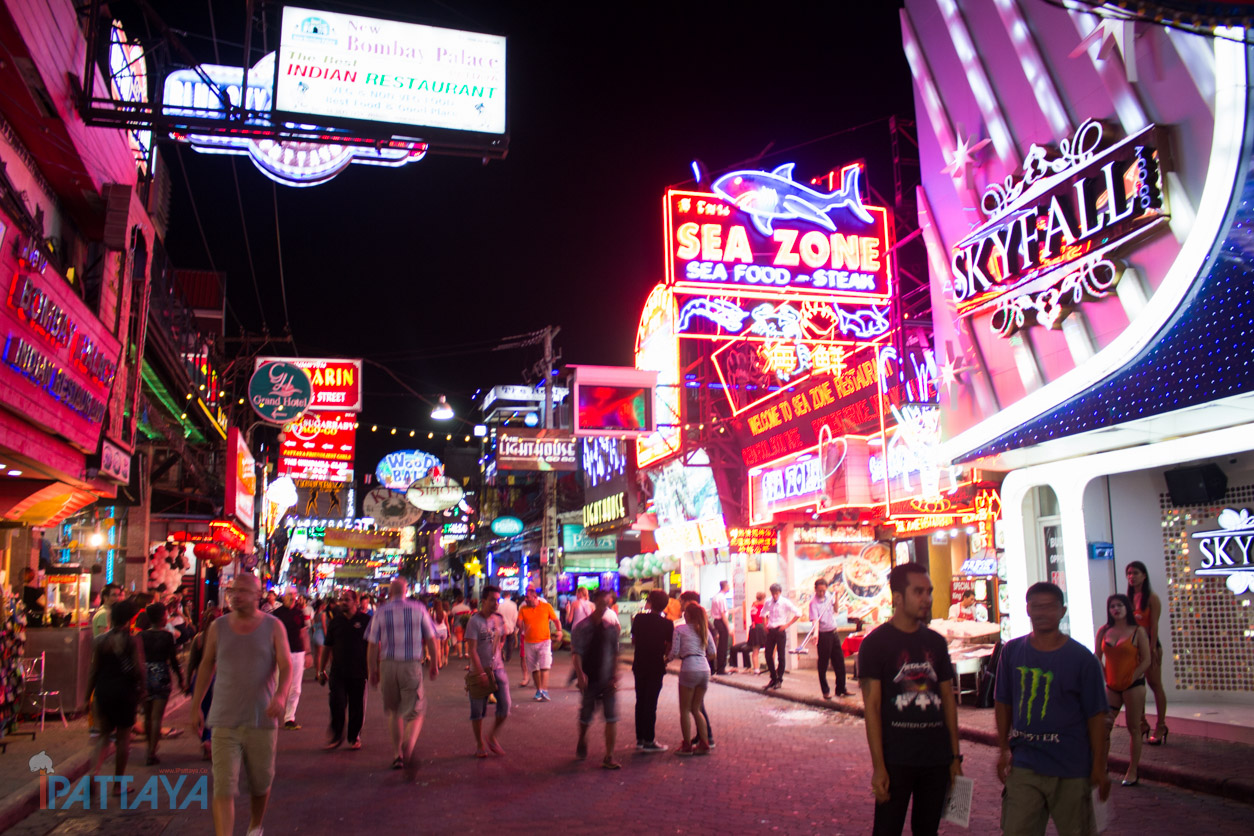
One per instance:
[(1145, 729), (1159, 737), (1134, 782)]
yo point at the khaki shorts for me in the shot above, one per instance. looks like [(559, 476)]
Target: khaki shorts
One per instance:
[(400, 682), (539, 655), (252, 746), (1030, 800)]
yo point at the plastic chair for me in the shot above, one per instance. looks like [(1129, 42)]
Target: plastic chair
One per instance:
[(34, 691)]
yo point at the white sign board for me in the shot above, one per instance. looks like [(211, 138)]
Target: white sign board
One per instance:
[(365, 69)]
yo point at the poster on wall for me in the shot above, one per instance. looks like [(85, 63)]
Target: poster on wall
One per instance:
[(241, 479), (856, 573)]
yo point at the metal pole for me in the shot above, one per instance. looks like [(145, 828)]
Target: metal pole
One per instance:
[(248, 55)]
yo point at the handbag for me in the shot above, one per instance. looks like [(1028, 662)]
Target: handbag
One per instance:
[(478, 688)]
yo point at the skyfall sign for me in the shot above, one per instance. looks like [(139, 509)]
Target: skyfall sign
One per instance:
[(1049, 237), (1229, 550)]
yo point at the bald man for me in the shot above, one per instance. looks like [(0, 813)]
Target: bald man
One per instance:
[(398, 634), (245, 650)]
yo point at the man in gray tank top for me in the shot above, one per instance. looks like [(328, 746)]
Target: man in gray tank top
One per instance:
[(247, 650)]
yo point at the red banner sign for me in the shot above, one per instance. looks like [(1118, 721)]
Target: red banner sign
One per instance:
[(320, 447), (336, 383)]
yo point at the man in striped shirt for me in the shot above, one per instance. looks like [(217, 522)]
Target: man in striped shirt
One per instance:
[(398, 634)]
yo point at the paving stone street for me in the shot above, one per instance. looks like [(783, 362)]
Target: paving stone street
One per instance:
[(779, 767)]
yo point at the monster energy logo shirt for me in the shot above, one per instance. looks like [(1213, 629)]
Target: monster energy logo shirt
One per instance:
[(1052, 695), (910, 668)]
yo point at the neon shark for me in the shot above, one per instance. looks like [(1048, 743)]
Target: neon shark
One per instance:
[(768, 196)]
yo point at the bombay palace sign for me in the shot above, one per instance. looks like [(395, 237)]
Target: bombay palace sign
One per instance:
[(1051, 237)]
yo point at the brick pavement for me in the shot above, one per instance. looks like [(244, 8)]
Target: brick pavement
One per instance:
[(779, 767)]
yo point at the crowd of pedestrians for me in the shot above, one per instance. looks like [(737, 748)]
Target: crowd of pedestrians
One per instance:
[(1055, 701)]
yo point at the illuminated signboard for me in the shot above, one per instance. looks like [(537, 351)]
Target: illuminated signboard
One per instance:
[(832, 534), (1049, 238), (910, 461), (389, 508), (603, 459), (685, 498), (241, 479), (692, 535), (831, 475), (59, 362), (753, 540), (397, 471), (765, 232), (291, 162), (790, 421), (606, 513), (280, 392), (1225, 551), (353, 68), (607, 493), (336, 383), (576, 540), (128, 82), (518, 449), (614, 400), (981, 511), (657, 350), (319, 447)]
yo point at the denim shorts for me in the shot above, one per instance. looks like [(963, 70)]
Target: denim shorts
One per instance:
[(479, 708)]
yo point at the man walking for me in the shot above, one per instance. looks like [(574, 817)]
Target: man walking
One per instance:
[(823, 617), (399, 633), (780, 614), (594, 645), (297, 626), (720, 619), (245, 653), (651, 635), (1050, 701), (346, 650), (485, 639), (537, 621), (911, 715)]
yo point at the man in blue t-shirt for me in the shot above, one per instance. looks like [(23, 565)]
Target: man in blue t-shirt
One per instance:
[(1051, 723)]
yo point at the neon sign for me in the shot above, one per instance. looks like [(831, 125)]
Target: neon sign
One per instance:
[(319, 447), (602, 459), (1046, 245), (823, 477), (753, 540), (289, 162), (128, 81), (657, 350), (397, 471), (763, 232), (1225, 551)]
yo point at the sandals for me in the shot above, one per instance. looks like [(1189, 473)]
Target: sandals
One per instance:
[(398, 763), (610, 763)]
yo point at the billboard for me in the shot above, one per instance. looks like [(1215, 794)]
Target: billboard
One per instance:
[(241, 479), (397, 471), (279, 392), (335, 67), (336, 383), (689, 513), (609, 499), (829, 475), (657, 350), (319, 447), (614, 401), (518, 449)]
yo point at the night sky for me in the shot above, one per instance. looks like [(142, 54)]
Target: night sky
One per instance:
[(608, 106)]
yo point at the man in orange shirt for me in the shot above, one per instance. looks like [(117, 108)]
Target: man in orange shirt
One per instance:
[(539, 626)]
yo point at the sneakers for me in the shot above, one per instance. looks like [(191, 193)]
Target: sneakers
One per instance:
[(685, 751), (544, 696), (651, 747), (537, 697), (292, 725), (701, 749)]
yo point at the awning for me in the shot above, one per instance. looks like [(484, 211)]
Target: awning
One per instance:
[(41, 502)]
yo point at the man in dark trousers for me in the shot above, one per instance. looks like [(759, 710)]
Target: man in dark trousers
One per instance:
[(911, 714), (346, 649), (651, 634)]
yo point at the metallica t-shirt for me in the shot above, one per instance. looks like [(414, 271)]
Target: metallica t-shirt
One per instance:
[(910, 668), (1052, 695)]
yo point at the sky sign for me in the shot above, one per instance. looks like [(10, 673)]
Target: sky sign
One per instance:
[(352, 68)]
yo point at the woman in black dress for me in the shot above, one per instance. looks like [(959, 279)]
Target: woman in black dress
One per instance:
[(161, 657), (116, 682)]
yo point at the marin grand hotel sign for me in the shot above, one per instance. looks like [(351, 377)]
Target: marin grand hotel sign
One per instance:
[(1052, 237)]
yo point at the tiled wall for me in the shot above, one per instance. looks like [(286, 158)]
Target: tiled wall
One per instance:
[(1212, 630)]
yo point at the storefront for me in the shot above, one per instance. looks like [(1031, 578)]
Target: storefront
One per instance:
[(1090, 280)]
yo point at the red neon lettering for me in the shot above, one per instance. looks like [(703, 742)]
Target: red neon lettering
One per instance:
[(814, 249), (711, 242), (689, 246), (785, 257), (738, 248), (844, 251), (870, 254)]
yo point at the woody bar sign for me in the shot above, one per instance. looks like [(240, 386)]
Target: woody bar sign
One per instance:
[(536, 450)]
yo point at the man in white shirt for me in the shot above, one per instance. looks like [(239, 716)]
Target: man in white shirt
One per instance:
[(780, 614), (823, 617), (721, 622)]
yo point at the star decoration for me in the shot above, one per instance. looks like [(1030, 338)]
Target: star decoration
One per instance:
[(962, 158), (1113, 33), (952, 369)]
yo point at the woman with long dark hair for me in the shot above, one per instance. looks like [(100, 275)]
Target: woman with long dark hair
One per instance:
[(1147, 608), (694, 646), (1123, 648)]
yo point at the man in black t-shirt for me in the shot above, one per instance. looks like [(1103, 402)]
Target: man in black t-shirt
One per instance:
[(651, 634), (346, 650), (297, 627), (911, 715)]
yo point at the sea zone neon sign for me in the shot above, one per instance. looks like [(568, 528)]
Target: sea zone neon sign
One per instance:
[(765, 233)]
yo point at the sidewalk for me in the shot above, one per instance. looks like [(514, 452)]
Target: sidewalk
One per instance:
[(1186, 762), (69, 749)]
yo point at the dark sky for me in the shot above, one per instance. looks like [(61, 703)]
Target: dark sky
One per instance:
[(608, 105)]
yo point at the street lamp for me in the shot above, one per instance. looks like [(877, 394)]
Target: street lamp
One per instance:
[(442, 411)]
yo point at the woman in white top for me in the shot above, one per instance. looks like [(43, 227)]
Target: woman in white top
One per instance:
[(694, 646)]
